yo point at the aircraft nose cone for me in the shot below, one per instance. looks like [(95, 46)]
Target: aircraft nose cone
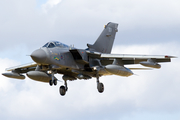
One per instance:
[(39, 56)]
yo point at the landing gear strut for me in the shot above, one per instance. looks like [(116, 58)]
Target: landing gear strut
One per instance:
[(100, 85)]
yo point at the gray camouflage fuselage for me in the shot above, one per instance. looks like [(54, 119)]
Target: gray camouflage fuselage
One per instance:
[(65, 62), (95, 61)]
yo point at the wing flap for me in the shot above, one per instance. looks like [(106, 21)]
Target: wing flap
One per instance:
[(128, 58), (135, 56), (94, 54), (140, 68)]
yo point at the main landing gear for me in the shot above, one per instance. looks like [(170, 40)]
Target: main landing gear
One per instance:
[(100, 85), (63, 88)]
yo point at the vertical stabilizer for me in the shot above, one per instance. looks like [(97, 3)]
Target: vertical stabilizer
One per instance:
[(105, 41)]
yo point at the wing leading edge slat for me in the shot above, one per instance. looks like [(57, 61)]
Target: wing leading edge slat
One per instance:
[(28, 65)]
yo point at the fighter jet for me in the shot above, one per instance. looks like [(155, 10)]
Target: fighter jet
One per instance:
[(76, 64)]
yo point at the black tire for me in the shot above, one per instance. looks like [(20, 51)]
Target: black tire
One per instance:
[(50, 82), (55, 82), (100, 87), (62, 90)]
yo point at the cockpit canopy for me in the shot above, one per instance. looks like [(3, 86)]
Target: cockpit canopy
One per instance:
[(52, 44)]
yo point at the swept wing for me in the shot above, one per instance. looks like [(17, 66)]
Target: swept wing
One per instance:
[(25, 67)]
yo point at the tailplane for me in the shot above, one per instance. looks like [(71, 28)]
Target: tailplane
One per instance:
[(105, 41)]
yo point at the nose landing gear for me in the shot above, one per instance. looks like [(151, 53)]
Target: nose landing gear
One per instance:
[(53, 80)]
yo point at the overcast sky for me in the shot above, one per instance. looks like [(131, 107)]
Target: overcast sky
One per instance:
[(145, 27)]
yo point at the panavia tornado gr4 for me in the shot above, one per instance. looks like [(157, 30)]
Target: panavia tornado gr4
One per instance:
[(95, 61)]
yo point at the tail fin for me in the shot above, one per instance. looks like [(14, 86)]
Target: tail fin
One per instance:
[(105, 41)]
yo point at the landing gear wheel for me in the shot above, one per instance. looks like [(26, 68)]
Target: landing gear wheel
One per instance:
[(55, 82), (100, 87), (50, 82), (62, 90)]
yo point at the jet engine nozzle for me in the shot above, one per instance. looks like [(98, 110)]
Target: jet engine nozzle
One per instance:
[(39, 56)]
